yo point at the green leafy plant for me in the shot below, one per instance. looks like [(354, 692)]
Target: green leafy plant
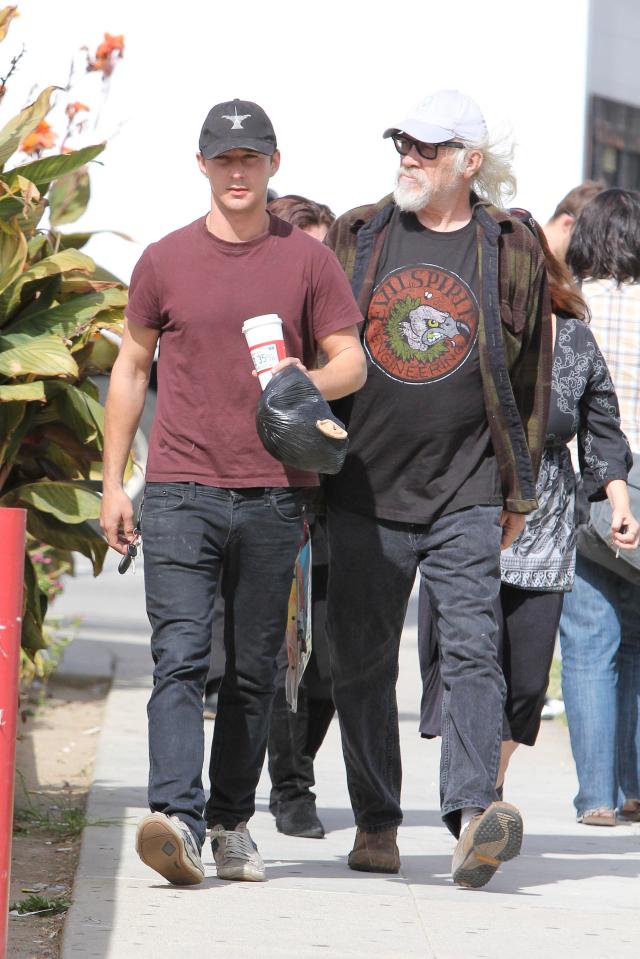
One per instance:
[(36, 903), (68, 822), (54, 301)]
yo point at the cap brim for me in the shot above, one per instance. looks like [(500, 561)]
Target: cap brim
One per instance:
[(425, 132), (239, 143)]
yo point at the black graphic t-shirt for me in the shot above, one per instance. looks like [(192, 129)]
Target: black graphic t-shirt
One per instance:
[(419, 438)]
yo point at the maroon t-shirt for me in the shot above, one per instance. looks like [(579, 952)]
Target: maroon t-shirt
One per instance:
[(198, 290)]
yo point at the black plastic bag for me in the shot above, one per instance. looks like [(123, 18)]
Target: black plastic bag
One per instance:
[(296, 425)]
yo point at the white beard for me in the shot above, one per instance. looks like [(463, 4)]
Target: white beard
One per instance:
[(415, 195)]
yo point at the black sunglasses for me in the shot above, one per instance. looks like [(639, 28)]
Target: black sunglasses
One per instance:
[(429, 151)]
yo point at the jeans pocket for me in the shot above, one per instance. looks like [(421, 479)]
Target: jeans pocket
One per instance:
[(163, 498), (288, 503)]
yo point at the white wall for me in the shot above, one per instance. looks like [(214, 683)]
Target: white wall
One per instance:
[(332, 76)]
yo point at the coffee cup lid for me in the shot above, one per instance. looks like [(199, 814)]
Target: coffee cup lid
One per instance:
[(255, 321)]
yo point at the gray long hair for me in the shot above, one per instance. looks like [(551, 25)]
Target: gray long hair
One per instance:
[(495, 180)]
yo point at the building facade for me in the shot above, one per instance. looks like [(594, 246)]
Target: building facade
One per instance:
[(612, 134)]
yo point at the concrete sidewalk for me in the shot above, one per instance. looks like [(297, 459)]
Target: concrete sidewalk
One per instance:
[(573, 892)]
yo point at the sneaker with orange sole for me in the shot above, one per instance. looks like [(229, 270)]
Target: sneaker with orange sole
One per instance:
[(491, 838)]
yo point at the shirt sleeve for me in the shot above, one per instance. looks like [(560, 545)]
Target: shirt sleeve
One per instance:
[(531, 378), (603, 449), (333, 306), (144, 294)]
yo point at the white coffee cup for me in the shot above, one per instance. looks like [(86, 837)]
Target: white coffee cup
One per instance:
[(266, 344)]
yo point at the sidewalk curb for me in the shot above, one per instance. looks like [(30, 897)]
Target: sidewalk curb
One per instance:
[(84, 662)]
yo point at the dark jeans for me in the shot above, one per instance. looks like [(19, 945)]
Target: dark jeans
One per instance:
[(527, 625), (371, 573), (294, 740), (192, 535)]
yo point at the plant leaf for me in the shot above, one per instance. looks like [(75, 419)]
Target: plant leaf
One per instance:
[(36, 244), (33, 596), (13, 253), (69, 197), (83, 415), (32, 637), (72, 285), (68, 502), (25, 392), (81, 537), (42, 172), (19, 126), (10, 206), (71, 316), (28, 222), (21, 354), (78, 240), (12, 429), (91, 389), (44, 297), (6, 16), (62, 262)]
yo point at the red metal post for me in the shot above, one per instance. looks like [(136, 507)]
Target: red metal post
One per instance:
[(12, 541)]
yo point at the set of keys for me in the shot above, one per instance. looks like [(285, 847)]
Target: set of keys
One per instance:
[(129, 559)]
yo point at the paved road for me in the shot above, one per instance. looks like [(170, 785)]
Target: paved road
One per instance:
[(572, 893)]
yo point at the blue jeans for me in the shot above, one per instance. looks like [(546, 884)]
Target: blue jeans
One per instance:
[(372, 568), (600, 641), (192, 535)]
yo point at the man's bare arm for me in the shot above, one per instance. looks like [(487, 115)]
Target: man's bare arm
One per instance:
[(125, 402), (346, 368)]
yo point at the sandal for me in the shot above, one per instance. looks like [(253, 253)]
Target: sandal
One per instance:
[(598, 817), (631, 810)]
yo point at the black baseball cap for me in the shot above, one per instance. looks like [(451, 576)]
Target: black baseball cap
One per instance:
[(236, 124)]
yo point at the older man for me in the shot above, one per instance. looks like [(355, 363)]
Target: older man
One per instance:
[(446, 438)]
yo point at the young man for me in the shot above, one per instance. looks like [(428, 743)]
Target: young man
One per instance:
[(446, 438), (216, 504), (560, 227)]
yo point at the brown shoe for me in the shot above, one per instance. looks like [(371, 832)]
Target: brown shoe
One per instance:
[(631, 810), (375, 851), (493, 837)]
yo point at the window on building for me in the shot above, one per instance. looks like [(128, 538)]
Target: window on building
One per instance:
[(613, 144)]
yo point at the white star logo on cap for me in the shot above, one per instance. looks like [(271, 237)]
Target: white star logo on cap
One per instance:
[(237, 119)]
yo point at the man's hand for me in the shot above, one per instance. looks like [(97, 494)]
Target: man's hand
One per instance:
[(116, 519), (512, 525), (287, 361)]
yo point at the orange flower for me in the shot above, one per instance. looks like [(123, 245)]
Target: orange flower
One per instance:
[(72, 108), (110, 45), (42, 138), (110, 49)]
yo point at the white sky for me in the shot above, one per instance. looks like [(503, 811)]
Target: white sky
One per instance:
[(331, 75)]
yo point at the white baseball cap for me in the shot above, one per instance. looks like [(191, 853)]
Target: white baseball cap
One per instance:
[(445, 115)]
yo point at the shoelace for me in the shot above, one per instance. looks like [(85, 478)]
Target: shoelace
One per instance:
[(239, 845)]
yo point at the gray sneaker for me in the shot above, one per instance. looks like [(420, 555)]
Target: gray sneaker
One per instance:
[(236, 854), (166, 844)]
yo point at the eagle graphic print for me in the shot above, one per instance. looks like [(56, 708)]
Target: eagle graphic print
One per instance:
[(422, 324)]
